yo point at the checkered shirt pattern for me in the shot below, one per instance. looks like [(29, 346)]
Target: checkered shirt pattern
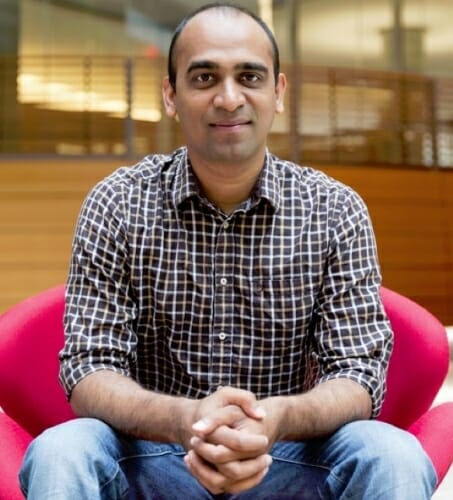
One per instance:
[(275, 298)]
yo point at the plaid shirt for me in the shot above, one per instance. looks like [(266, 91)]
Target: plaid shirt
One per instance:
[(276, 297)]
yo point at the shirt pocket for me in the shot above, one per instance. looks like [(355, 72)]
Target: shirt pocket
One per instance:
[(285, 304)]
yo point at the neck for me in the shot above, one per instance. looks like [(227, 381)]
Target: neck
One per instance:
[(227, 186)]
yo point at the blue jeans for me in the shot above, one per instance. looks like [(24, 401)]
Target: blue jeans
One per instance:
[(86, 459)]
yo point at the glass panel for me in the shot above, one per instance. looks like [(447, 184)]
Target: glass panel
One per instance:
[(89, 74)]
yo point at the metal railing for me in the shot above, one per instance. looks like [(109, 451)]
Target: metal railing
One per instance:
[(78, 105)]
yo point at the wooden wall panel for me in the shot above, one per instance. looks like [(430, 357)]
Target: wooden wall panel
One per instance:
[(39, 204), (412, 212)]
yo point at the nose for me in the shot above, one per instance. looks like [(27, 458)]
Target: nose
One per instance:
[(230, 96)]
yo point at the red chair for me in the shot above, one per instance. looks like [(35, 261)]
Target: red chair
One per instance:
[(418, 367), (31, 334)]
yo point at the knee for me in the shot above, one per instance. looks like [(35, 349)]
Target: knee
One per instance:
[(380, 441), (68, 441), (82, 455), (390, 452), (378, 460)]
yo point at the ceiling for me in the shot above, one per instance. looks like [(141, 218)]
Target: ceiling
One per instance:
[(331, 32), (163, 12)]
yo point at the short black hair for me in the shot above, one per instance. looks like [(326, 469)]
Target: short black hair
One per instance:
[(220, 6)]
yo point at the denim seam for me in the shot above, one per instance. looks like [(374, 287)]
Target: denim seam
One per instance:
[(330, 470), (151, 455), (112, 479), (22, 487)]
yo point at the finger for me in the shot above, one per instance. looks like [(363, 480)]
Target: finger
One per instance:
[(245, 399), (241, 470), (206, 474), (219, 454), (226, 397), (230, 416), (239, 440), (214, 453), (246, 484), (215, 482), (226, 415), (219, 448)]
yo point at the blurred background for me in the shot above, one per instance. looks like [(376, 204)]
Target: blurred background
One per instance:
[(370, 102), (375, 86)]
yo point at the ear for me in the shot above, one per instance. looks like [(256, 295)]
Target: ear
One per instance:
[(168, 95), (280, 93)]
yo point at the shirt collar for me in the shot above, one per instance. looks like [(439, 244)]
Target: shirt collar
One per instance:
[(187, 185), (268, 184)]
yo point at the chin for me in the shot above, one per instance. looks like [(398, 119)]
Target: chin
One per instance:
[(235, 153)]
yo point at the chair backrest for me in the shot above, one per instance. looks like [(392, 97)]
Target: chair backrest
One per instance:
[(419, 361), (31, 334)]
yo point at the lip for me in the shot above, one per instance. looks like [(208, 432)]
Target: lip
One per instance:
[(230, 125)]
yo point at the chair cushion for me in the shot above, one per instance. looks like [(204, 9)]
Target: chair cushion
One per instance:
[(14, 441), (419, 361), (31, 334)]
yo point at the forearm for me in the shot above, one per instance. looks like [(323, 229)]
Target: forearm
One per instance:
[(319, 411), (131, 409)]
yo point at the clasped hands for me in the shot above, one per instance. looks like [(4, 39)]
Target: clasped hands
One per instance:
[(229, 440)]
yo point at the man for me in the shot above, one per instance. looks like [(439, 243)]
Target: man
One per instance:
[(224, 333)]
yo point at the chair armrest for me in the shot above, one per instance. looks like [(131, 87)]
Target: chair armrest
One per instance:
[(434, 431), (13, 442)]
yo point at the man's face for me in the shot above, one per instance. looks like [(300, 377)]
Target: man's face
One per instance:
[(226, 95)]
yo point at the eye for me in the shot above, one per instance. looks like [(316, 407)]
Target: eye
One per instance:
[(204, 77), (251, 79), (202, 80)]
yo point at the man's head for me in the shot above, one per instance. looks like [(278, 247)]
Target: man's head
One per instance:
[(221, 6), (224, 86)]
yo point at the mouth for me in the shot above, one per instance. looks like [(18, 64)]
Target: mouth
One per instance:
[(230, 125)]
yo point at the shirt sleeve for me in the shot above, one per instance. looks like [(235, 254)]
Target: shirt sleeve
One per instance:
[(99, 311), (353, 336)]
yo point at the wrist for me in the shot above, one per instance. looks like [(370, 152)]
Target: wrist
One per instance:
[(278, 410), (183, 417)]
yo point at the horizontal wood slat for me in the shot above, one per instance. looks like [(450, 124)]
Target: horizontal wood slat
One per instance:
[(412, 212)]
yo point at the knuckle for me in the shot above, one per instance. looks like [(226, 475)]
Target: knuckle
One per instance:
[(237, 441), (217, 454), (219, 484), (234, 471)]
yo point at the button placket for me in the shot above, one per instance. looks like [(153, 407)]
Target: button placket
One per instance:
[(222, 306)]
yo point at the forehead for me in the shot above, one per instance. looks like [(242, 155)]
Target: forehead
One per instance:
[(223, 37)]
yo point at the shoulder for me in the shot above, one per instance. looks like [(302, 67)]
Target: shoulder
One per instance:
[(127, 180), (123, 188), (311, 180), (148, 170)]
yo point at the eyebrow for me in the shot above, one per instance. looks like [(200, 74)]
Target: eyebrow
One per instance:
[(246, 66)]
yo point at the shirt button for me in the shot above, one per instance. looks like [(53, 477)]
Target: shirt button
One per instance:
[(222, 336), (223, 281), (226, 225)]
